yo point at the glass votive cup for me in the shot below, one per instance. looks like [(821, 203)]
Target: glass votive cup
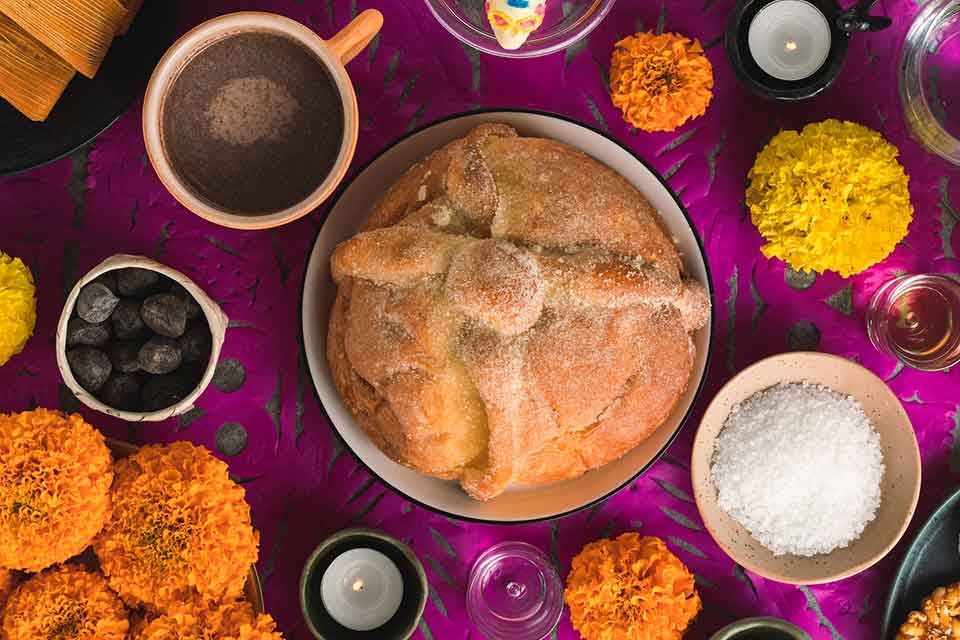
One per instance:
[(916, 319), (514, 593)]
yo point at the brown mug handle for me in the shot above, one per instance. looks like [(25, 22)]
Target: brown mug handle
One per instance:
[(354, 38)]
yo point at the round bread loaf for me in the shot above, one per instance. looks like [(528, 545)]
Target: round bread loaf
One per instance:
[(513, 312)]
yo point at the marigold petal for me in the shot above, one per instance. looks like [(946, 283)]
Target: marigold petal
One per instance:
[(180, 529), (55, 476), (660, 81), (830, 197), (631, 588), (66, 603)]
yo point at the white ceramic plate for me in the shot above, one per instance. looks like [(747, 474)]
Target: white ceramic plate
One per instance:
[(518, 504)]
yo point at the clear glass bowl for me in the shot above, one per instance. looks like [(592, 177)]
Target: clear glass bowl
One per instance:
[(565, 22), (514, 593), (930, 78)]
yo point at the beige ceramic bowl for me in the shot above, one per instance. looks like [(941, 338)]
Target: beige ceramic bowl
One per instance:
[(901, 456), (216, 320)]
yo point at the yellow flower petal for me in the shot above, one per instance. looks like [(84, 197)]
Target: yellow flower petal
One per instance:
[(831, 197)]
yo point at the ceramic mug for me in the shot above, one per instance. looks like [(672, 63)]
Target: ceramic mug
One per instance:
[(333, 54)]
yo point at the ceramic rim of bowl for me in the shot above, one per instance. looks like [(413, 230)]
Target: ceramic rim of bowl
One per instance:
[(734, 629), (192, 44)]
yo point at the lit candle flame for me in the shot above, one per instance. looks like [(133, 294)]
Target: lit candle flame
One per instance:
[(358, 585), (791, 45)]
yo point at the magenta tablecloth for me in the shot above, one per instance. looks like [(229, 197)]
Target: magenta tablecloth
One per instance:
[(66, 217)]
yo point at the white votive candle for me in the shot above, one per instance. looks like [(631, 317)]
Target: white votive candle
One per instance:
[(789, 39), (361, 589)]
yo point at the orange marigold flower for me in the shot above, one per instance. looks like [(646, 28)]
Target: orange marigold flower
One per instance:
[(55, 475), (8, 582), (631, 588), (660, 81), (66, 603), (180, 529), (232, 621)]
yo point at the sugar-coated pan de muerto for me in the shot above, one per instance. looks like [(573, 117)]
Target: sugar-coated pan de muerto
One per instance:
[(513, 312)]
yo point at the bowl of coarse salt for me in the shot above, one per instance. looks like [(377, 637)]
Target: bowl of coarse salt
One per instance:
[(806, 468)]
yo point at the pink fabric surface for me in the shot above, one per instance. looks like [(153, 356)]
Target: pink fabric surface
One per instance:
[(66, 217)]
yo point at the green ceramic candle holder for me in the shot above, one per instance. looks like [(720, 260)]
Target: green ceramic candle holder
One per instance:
[(761, 629), (402, 625)]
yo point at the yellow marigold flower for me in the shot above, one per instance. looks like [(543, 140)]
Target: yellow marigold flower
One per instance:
[(631, 588), (232, 621), (180, 529), (660, 81), (832, 196), (66, 603), (55, 475), (18, 306)]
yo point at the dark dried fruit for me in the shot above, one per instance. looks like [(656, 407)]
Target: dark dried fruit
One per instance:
[(81, 332), (124, 356), (122, 391), (159, 355), (231, 438), (166, 314), (96, 302), (108, 279), (127, 323), (193, 307), (160, 392), (229, 375), (195, 344), (91, 367), (134, 281)]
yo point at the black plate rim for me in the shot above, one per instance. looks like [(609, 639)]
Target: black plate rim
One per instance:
[(108, 119), (707, 361), (920, 539)]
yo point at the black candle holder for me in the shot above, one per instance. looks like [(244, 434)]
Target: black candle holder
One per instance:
[(402, 625), (843, 23)]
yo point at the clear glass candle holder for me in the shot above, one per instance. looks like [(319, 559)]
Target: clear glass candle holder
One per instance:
[(514, 593), (915, 319), (929, 73)]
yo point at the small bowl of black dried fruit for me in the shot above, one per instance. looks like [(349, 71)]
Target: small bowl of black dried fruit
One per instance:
[(138, 340)]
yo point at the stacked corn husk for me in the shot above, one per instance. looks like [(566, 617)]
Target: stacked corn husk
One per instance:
[(44, 42)]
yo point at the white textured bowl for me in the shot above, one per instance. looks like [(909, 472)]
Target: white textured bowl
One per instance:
[(216, 320), (349, 212)]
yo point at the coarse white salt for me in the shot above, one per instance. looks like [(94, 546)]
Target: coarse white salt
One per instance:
[(799, 466)]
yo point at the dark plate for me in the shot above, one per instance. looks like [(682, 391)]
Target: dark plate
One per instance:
[(90, 106), (931, 561)]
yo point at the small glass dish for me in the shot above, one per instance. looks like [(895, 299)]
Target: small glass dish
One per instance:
[(564, 23), (929, 73), (514, 593)]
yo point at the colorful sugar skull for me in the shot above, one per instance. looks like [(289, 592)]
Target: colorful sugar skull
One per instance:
[(514, 20)]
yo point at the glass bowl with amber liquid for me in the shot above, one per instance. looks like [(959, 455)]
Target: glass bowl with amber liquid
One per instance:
[(916, 319)]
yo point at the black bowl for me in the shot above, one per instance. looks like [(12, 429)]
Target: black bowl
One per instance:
[(763, 84), (403, 623)]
